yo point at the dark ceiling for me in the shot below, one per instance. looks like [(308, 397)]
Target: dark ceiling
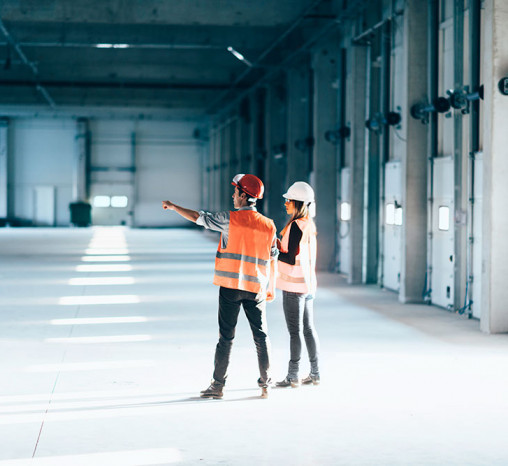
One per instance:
[(166, 54)]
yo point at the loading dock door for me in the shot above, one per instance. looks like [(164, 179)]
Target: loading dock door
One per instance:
[(44, 206), (442, 233), (392, 226), (345, 221)]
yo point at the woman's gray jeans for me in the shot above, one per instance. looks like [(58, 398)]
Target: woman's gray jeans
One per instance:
[(299, 313)]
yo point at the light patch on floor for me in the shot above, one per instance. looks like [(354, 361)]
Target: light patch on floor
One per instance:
[(88, 281), (104, 268), (91, 300), (99, 320)]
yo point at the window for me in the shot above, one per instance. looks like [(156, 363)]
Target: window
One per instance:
[(113, 201), (119, 201), (345, 211), (101, 201), (443, 221)]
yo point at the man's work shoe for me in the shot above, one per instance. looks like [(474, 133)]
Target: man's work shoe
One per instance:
[(311, 379), (287, 382), (213, 391), (264, 386)]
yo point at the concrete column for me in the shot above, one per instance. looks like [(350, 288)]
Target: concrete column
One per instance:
[(224, 167), (245, 141), (372, 167), (253, 109), (81, 162), (324, 64), (214, 164), (357, 117), (494, 317), (4, 127), (414, 158), (233, 164), (460, 157), (261, 124), (298, 124), (277, 158)]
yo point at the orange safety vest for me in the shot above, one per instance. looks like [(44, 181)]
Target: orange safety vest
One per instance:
[(245, 262), (301, 277)]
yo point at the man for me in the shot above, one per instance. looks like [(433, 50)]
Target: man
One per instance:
[(244, 270)]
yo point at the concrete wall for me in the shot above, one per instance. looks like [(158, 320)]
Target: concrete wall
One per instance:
[(41, 152), (495, 169)]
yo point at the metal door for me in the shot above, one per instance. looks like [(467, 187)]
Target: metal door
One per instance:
[(442, 282), (393, 218), (344, 216)]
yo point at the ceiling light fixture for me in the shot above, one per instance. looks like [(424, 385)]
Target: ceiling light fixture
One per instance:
[(239, 56), (112, 46)]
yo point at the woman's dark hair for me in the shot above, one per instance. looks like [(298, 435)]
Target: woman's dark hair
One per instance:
[(301, 211)]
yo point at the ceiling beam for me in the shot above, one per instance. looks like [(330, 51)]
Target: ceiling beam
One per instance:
[(28, 63), (113, 85)]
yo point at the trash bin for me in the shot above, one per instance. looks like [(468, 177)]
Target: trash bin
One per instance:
[(81, 213)]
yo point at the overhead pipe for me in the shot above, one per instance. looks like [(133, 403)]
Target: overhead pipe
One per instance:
[(366, 35)]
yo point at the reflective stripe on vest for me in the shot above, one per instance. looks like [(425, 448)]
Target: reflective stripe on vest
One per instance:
[(240, 257), (289, 278), (243, 264), (237, 276), (300, 277)]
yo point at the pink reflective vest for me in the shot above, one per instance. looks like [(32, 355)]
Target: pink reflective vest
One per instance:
[(301, 277)]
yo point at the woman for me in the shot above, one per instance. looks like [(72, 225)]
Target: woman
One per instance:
[(297, 280)]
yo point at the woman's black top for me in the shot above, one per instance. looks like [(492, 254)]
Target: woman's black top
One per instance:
[(295, 235)]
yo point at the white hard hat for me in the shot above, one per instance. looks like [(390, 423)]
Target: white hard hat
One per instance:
[(300, 191)]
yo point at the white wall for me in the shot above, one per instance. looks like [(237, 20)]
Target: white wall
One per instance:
[(168, 164), (41, 152)]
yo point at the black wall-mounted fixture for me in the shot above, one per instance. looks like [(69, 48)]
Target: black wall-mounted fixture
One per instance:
[(260, 154), (336, 135), (503, 86), (304, 144), (421, 110), (279, 151), (460, 98), (377, 122)]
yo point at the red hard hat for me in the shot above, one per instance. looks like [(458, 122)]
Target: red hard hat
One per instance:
[(249, 184)]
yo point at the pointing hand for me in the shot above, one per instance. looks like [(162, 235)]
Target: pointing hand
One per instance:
[(168, 205)]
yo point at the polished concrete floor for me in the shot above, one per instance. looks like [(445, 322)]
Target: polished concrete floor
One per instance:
[(107, 336)]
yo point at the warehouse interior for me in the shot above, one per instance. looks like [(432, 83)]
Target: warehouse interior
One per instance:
[(394, 111)]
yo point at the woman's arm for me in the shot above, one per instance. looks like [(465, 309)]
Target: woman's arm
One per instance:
[(295, 236)]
